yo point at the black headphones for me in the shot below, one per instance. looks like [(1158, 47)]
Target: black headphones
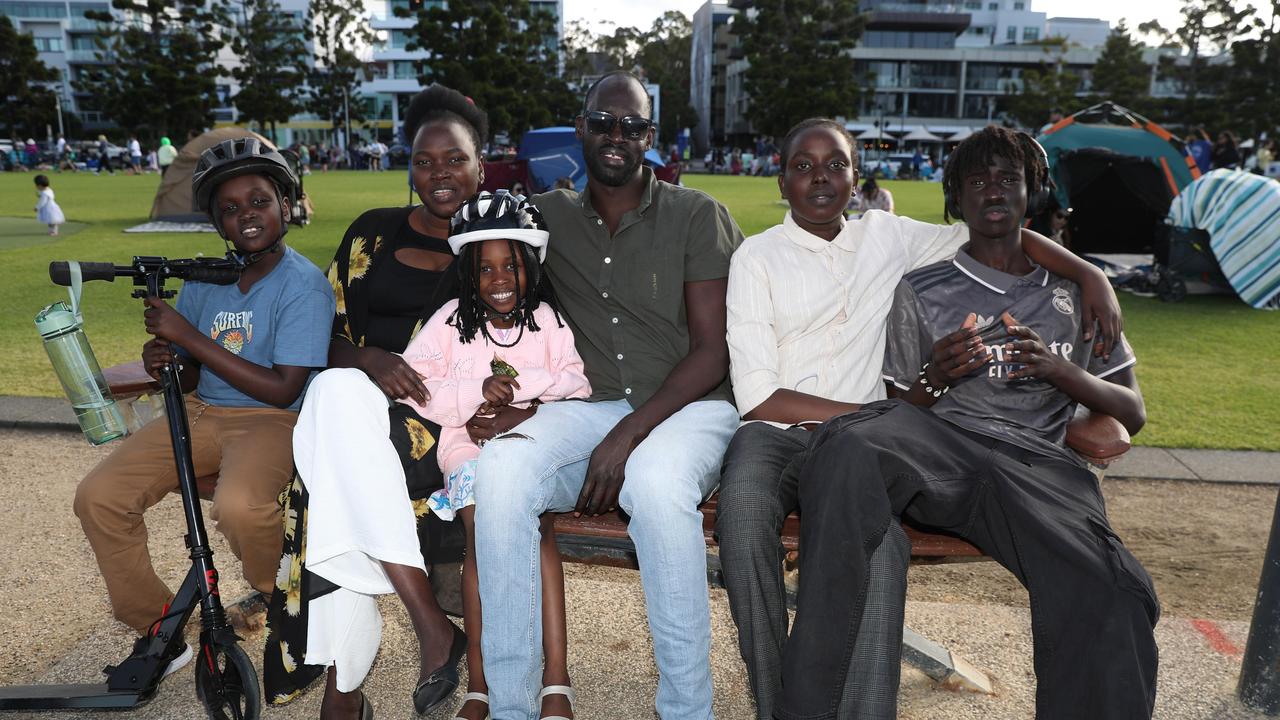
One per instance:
[(1036, 201)]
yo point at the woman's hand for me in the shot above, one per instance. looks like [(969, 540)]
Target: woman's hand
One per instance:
[(483, 426), (393, 375), (497, 390), (1101, 307)]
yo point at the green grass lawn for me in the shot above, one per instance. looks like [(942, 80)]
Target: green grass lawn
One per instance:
[(1207, 365)]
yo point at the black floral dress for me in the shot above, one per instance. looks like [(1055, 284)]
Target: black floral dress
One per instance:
[(380, 303)]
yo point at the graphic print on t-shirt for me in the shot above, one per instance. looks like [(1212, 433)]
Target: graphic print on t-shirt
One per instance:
[(232, 330)]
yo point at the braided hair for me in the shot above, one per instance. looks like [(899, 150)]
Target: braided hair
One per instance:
[(978, 151), (473, 313), (436, 103)]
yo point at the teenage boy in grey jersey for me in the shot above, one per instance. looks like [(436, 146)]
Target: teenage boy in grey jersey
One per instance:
[(973, 445)]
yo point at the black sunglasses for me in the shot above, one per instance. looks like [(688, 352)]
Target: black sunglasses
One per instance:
[(634, 127)]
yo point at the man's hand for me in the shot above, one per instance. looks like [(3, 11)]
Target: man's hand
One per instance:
[(164, 322), (1030, 351), (484, 426), (156, 355), (1101, 307), (956, 355), (497, 390), (393, 375), (607, 471)]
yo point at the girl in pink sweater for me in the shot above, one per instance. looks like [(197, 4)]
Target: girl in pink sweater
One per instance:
[(501, 343)]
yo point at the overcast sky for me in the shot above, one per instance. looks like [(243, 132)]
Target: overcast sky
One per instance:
[(641, 13)]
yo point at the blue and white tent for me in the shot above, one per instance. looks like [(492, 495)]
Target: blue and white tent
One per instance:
[(1241, 213)]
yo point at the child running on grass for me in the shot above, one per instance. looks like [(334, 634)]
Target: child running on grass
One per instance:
[(501, 343), (47, 210)]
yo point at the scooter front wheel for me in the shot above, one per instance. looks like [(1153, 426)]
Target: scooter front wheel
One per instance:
[(227, 683)]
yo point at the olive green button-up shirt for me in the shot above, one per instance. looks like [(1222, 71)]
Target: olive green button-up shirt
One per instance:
[(623, 296)]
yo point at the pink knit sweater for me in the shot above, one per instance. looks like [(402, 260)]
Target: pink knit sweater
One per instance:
[(548, 365)]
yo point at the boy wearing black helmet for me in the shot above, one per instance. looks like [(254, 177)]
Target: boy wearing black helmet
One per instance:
[(247, 350)]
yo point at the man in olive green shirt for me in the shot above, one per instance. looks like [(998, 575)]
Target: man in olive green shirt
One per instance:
[(641, 269)]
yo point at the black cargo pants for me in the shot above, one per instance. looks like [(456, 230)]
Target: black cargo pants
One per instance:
[(1093, 607)]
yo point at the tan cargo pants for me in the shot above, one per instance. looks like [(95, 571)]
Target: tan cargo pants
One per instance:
[(251, 450)]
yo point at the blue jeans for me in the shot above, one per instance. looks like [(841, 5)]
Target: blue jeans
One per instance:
[(540, 467)]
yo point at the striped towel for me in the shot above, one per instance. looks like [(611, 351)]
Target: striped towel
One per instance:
[(1241, 212)]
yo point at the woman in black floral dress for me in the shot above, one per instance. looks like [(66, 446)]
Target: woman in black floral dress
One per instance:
[(392, 271)]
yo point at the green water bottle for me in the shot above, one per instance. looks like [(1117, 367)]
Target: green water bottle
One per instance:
[(60, 326)]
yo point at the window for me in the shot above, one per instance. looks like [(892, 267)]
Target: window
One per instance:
[(33, 10), (1011, 34), (993, 6), (48, 44), (973, 4), (1019, 6), (1030, 34), (84, 42)]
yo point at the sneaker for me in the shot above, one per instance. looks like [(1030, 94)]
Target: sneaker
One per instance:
[(178, 659)]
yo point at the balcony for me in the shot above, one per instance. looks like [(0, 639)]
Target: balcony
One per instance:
[(85, 57)]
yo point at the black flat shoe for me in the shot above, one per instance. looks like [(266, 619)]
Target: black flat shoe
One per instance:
[(432, 692), (366, 710)]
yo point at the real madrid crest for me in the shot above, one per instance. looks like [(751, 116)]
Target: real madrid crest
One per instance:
[(1062, 301)]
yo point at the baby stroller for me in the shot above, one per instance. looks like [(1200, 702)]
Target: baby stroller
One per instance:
[(1181, 254)]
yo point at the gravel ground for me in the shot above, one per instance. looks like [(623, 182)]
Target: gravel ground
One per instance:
[(1202, 543)]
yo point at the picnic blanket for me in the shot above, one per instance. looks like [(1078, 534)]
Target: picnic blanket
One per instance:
[(1241, 212)]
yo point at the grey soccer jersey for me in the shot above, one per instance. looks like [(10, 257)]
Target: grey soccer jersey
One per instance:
[(934, 301)]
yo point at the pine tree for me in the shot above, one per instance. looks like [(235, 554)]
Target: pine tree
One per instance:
[(273, 59), (337, 30), (1253, 91), (159, 71), (1208, 28), (25, 105), (1121, 75), (800, 66), (1048, 87), (499, 53), (664, 57)]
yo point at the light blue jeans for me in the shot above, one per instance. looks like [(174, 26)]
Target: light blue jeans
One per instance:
[(541, 466)]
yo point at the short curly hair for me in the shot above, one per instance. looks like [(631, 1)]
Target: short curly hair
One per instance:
[(814, 122), (436, 103), (979, 150)]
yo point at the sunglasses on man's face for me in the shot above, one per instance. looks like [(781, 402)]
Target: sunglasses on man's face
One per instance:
[(634, 127)]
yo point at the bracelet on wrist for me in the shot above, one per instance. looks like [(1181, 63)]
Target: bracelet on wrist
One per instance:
[(928, 385)]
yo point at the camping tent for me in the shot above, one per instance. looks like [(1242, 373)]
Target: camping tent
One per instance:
[(173, 199), (555, 152), (1239, 210), (1118, 172)]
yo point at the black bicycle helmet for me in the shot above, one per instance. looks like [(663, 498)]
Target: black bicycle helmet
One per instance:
[(500, 216), (236, 157)]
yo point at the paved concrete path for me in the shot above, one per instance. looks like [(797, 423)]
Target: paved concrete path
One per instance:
[(1233, 466)]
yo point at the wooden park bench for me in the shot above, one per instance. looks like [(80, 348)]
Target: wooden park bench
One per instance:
[(603, 540)]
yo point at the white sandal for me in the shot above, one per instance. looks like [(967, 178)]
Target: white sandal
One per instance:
[(476, 696), (564, 690)]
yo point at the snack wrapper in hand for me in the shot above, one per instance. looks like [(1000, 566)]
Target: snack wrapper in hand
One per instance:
[(498, 366)]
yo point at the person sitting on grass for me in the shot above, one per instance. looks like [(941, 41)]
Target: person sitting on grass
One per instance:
[(247, 351), (986, 360), (501, 343), (808, 303)]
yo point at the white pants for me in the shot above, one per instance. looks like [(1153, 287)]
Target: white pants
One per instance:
[(359, 517)]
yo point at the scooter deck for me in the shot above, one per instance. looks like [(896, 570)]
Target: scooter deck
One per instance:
[(64, 697)]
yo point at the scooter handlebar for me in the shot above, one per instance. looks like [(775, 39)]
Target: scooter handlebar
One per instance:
[(60, 272)]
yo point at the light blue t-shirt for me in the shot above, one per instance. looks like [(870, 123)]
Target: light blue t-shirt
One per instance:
[(285, 319)]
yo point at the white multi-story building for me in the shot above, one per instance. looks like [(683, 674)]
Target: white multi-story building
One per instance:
[(1085, 32), (711, 43)]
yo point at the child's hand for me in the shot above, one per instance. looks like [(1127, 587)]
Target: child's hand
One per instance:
[(498, 390), (165, 322), (156, 354)]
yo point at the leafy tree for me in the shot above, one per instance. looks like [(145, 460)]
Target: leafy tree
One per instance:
[(159, 71), (272, 61), (1121, 75), (337, 30), (1253, 90), (799, 64), (1043, 89), (500, 54), (25, 106), (664, 58), (1208, 27)]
